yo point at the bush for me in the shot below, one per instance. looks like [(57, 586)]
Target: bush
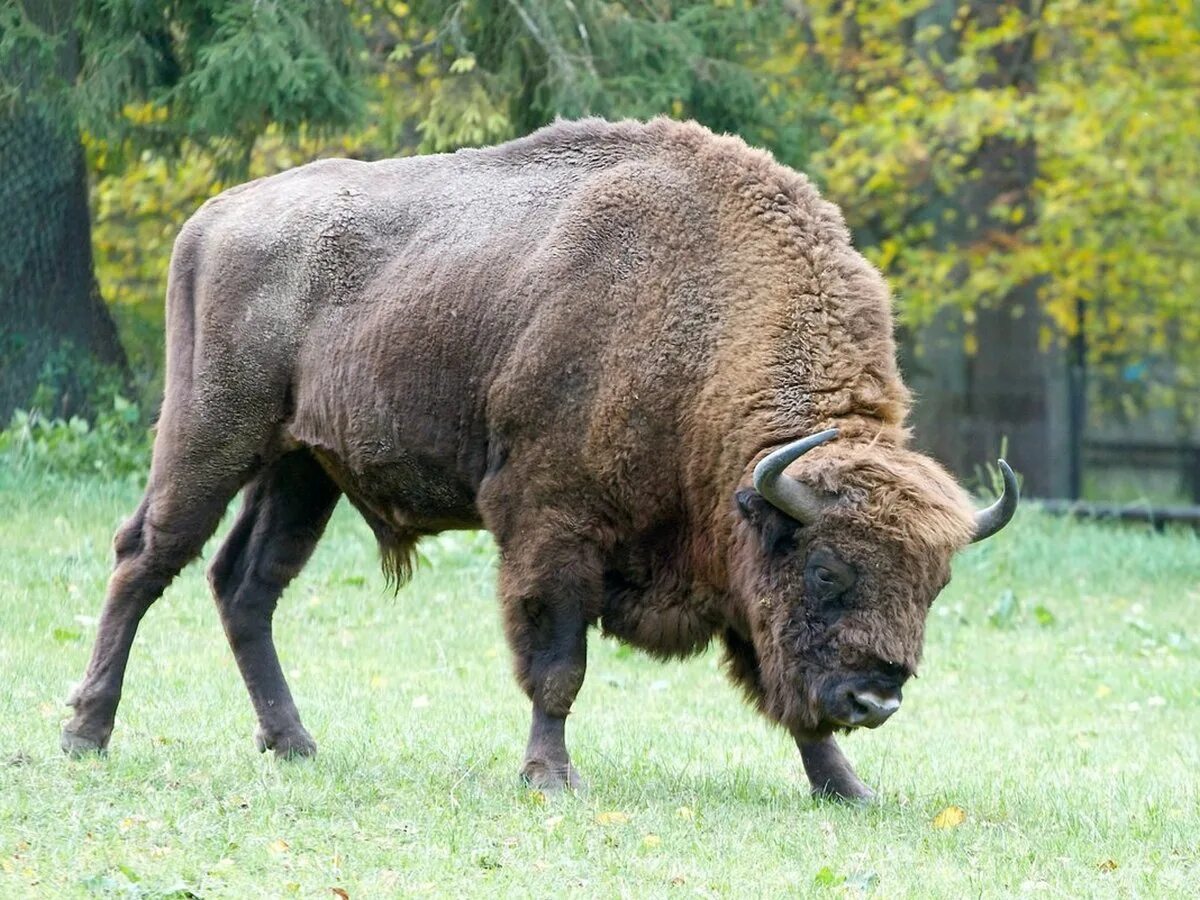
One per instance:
[(116, 443)]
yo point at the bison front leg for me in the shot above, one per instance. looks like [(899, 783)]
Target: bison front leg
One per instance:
[(830, 773), (546, 620)]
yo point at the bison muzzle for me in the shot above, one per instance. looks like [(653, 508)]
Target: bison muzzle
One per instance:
[(645, 357)]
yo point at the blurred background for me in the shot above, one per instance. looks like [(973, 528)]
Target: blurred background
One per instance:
[(1026, 173)]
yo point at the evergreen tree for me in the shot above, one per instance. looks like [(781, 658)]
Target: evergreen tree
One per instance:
[(535, 60), (143, 75)]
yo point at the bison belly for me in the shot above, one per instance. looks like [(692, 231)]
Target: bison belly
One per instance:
[(393, 426)]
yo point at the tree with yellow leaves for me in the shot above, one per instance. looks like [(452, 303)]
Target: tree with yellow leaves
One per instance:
[(1025, 173)]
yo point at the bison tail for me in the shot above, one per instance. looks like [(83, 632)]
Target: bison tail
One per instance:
[(181, 318)]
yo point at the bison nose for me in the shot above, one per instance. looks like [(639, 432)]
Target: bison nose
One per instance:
[(870, 709)]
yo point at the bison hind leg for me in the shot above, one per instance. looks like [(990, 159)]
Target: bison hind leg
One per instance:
[(190, 485), (283, 515)]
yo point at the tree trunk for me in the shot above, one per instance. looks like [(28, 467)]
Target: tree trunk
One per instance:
[(54, 326), (1010, 398), (1011, 390)]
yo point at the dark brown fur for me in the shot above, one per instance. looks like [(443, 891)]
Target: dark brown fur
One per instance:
[(582, 341)]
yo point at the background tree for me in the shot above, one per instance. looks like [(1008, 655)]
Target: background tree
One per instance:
[(938, 118), (440, 75), (49, 300), (143, 76), (632, 58), (1024, 172)]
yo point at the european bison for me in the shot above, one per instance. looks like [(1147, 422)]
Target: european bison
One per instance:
[(625, 350)]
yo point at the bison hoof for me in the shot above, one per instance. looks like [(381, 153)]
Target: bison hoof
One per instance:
[(854, 793), (295, 743), (75, 744), (551, 778)]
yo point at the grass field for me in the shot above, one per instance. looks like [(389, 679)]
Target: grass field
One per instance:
[(1058, 707)]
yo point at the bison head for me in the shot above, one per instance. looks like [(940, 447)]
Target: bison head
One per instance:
[(836, 565)]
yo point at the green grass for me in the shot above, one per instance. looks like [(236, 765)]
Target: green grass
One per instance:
[(1058, 705)]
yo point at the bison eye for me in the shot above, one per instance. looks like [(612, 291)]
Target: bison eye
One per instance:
[(827, 576), (894, 671)]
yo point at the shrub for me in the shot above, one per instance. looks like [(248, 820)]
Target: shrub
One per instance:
[(116, 443)]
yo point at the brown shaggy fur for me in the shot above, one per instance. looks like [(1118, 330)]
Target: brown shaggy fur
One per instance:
[(583, 341)]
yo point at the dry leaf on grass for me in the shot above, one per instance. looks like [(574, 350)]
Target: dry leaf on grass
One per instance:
[(950, 817), (612, 818)]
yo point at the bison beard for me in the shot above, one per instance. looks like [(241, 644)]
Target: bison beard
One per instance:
[(588, 341)]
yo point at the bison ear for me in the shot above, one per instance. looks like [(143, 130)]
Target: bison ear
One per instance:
[(776, 529)]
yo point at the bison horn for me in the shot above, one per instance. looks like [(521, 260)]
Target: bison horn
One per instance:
[(800, 501), (990, 520)]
